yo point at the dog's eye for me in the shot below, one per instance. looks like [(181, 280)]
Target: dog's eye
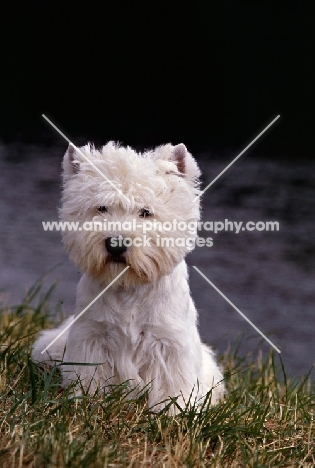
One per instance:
[(102, 209), (144, 213)]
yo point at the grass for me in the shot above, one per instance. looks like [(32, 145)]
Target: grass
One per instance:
[(266, 420)]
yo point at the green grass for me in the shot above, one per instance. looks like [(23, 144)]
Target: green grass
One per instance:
[(265, 420)]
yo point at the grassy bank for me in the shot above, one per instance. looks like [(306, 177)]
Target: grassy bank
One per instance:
[(266, 420)]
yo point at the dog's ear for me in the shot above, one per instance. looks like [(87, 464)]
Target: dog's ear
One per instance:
[(186, 164), (179, 154), (71, 164)]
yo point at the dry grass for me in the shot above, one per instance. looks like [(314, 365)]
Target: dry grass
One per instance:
[(265, 421)]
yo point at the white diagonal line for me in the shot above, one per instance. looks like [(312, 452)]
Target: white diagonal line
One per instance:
[(85, 157), (235, 159), (238, 310), (84, 310)]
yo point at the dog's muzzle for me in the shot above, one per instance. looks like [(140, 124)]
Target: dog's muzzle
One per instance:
[(115, 246)]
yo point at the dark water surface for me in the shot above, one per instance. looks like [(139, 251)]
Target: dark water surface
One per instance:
[(269, 276)]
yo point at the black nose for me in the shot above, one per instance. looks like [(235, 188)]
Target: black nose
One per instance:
[(115, 245)]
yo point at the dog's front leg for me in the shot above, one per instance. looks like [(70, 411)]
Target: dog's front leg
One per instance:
[(88, 359), (172, 373)]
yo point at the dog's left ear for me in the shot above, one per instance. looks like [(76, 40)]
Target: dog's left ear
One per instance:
[(179, 154), (186, 163)]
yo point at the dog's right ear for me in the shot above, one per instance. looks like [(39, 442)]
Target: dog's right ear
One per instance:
[(71, 164)]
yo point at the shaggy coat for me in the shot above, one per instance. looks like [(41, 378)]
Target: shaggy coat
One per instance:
[(144, 327)]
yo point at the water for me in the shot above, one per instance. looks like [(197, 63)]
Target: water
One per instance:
[(269, 276)]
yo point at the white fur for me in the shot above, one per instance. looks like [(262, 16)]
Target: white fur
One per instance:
[(144, 327)]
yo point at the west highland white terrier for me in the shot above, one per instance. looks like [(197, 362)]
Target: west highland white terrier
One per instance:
[(143, 329)]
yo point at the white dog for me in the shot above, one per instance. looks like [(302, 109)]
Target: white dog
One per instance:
[(144, 327)]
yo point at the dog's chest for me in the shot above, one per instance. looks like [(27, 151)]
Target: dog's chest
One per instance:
[(129, 317)]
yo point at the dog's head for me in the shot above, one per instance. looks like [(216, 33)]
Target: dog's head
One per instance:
[(131, 209)]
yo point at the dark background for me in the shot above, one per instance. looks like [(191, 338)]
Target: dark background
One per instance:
[(210, 74)]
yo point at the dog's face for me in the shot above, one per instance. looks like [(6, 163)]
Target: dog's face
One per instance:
[(135, 215)]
